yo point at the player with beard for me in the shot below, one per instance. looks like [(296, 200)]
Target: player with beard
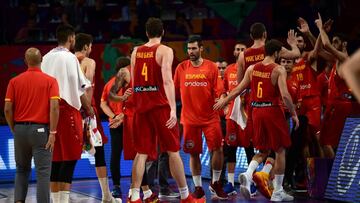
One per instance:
[(199, 84), (61, 64), (155, 121), (268, 83), (251, 56), (341, 102)]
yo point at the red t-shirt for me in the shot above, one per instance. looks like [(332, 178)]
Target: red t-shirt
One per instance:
[(306, 77), (230, 82), (199, 87), (148, 87), (263, 92), (30, 93), (116, 107)]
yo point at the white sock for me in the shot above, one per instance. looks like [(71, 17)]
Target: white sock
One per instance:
[(135, 194), (231, 178), (55, 196), (216, 175), (251, 168), (64, 196), (278, 181), (129, 195), (104, 184), (184, 192), (147, 194), (197, 181), (267, 168)]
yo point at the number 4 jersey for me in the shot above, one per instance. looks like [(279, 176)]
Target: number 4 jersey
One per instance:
[(148, 87)]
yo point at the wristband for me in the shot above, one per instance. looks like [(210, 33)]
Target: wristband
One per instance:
[(53, 132)]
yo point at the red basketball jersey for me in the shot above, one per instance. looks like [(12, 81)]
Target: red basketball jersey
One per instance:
[(263, 92), (306, 77), (148, 87), (253, 56)]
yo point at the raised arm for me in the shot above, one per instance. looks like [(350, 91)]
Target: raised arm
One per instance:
[(341, 56), (304, 28), (294, 52)]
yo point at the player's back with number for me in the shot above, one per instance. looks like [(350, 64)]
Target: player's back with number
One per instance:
[(262, 90), (148, 84)]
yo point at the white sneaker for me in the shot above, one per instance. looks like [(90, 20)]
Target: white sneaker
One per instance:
[(281, 196), (245, 183), (113, 200)]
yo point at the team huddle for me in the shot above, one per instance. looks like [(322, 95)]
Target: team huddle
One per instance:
[(267, 86)]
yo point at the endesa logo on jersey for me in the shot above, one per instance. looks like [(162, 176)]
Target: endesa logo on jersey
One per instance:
[(146, 89), (195, 84), (189, 80)]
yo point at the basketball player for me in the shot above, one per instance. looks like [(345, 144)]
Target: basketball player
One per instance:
[(155, 109), (199, 84), (268, 83)]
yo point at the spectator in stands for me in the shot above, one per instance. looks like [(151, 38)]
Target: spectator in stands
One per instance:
[(77, 15), (57, 11), (182, 28), (25, 33)]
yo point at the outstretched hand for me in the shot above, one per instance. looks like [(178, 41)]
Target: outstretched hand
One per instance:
[(220, 104), (304, 26), (291, 40), (327, 25), (319, 22)]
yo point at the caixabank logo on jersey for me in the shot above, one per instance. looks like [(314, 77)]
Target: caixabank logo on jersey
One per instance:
[(344, 181), (146, 89)]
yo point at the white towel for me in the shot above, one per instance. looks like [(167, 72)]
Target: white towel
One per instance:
[(63, 65), (237, 115), (94, 132)]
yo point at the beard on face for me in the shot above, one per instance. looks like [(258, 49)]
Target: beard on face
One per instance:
[(194, 57)]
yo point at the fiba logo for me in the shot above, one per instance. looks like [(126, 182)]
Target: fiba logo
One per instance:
[(349, 164), (189, 144), (344, 180)]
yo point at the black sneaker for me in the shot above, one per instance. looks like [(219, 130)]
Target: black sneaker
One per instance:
[(116, 192), (168, 193)]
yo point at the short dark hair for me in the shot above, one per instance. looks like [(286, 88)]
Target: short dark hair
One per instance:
[(63, 32), (195, 38), (341, 36), (121, 62), (272, 46), (81, 40), (154, 27), (257, 30)]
